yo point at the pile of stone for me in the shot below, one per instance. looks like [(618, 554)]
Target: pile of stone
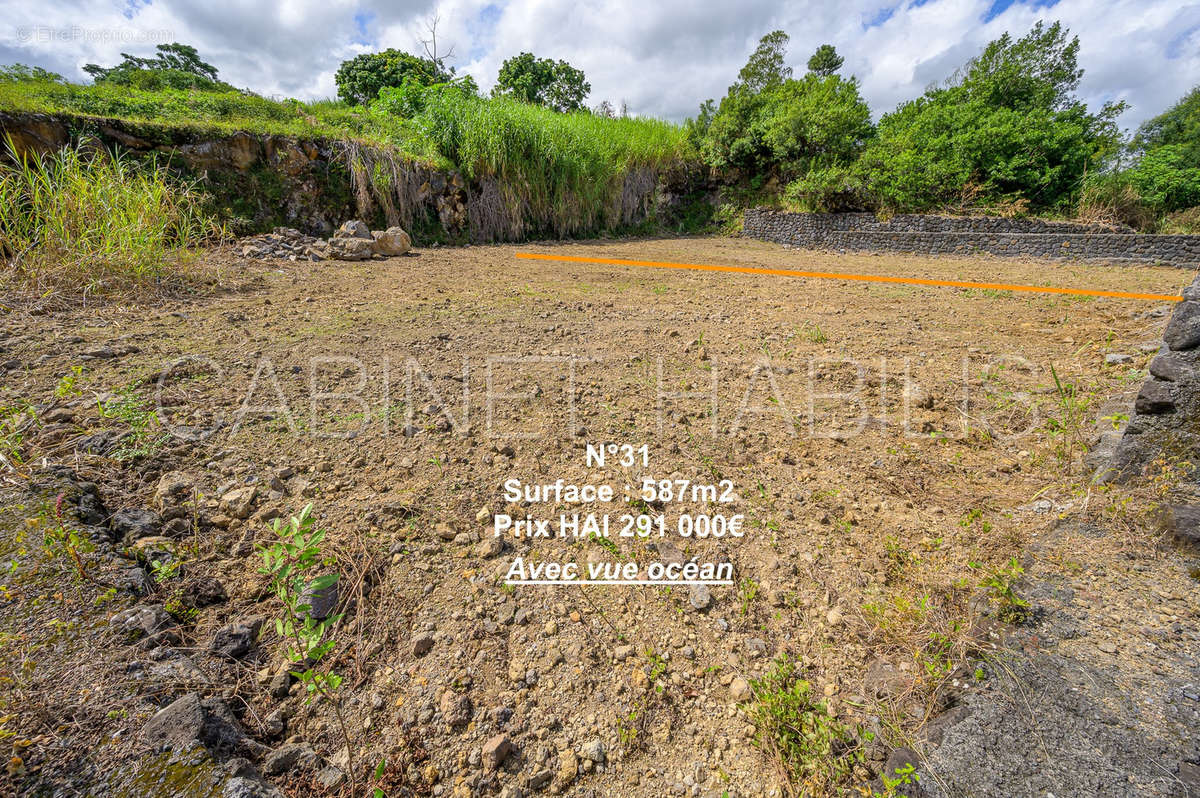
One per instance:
[(352, 241), (355, 241), (282, 242)]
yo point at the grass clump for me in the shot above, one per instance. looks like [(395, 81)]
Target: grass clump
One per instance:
[(92, 221), (819, 754)]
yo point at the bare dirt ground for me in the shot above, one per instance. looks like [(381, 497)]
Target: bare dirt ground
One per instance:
[(891, 449)]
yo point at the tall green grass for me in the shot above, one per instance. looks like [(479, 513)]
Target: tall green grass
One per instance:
[(91, 221), (555, 173)]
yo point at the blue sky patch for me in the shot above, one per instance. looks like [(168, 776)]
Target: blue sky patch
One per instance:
[(362, 25), (882, 16), (998, 7)]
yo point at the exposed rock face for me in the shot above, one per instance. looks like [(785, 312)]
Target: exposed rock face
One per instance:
[(1164, 423), (264, 180)]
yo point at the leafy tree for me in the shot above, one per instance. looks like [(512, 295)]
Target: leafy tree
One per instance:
[(1168, 177), (1166, 174), (542, 81), (766, 66), (697, 128), (772, 123), (14, 73), (1006, 126), (825, 61), (177, 66), (1178, 125), (360, 79)]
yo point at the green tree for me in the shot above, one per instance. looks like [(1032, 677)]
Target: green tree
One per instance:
[(697, 128), (772, 123), (1005, 127), (360, 79), (14, 73), (542, 81), (766, 66), (1178, 125), (825, 61), (176, 66), (1166, 172), (1167, 177)]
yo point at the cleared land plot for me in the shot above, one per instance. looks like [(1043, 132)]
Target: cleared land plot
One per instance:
[(888, 446)]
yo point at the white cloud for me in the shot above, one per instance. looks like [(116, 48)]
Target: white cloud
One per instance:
[(662, 58)]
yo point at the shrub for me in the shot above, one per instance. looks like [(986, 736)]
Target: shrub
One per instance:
[(1167, 179), (93, 221), (1185, 222), (1112, 198), (829, 189)]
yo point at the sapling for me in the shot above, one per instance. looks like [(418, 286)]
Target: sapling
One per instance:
[(289, 561)]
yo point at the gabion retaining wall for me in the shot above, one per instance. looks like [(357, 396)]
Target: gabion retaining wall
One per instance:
[(955, 235)]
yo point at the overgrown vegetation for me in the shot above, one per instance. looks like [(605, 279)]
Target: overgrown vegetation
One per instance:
[(1005, 134), (94, 220), (540, 171)]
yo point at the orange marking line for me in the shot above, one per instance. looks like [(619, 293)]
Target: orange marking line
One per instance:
[(869, 278)]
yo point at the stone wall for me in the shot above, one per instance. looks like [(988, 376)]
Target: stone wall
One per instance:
[(955, 235)]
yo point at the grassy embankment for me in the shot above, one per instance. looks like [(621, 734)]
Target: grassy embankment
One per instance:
[(540, 172)]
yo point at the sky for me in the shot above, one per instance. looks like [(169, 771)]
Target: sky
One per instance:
[(661, 57)]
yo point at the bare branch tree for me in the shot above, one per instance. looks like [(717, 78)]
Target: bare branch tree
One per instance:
[(431, 44)]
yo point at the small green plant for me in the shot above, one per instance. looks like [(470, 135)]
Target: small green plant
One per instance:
[(903, 776), (816, 334), (747, 592), (1067, 426), (162, 571), (135, 411), (14, 421), (658, 667), (68, 384), (289, 562), (627, 729), (1116, 419), (1010, 607), (817, 751), (177, 609), (61, 542)]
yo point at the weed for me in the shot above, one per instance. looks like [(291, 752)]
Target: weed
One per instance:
[(1067, 426), (747, 592), (135, 411), (999, 583), (79, 219), (68, 384), (14, 421), (817, 751)]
